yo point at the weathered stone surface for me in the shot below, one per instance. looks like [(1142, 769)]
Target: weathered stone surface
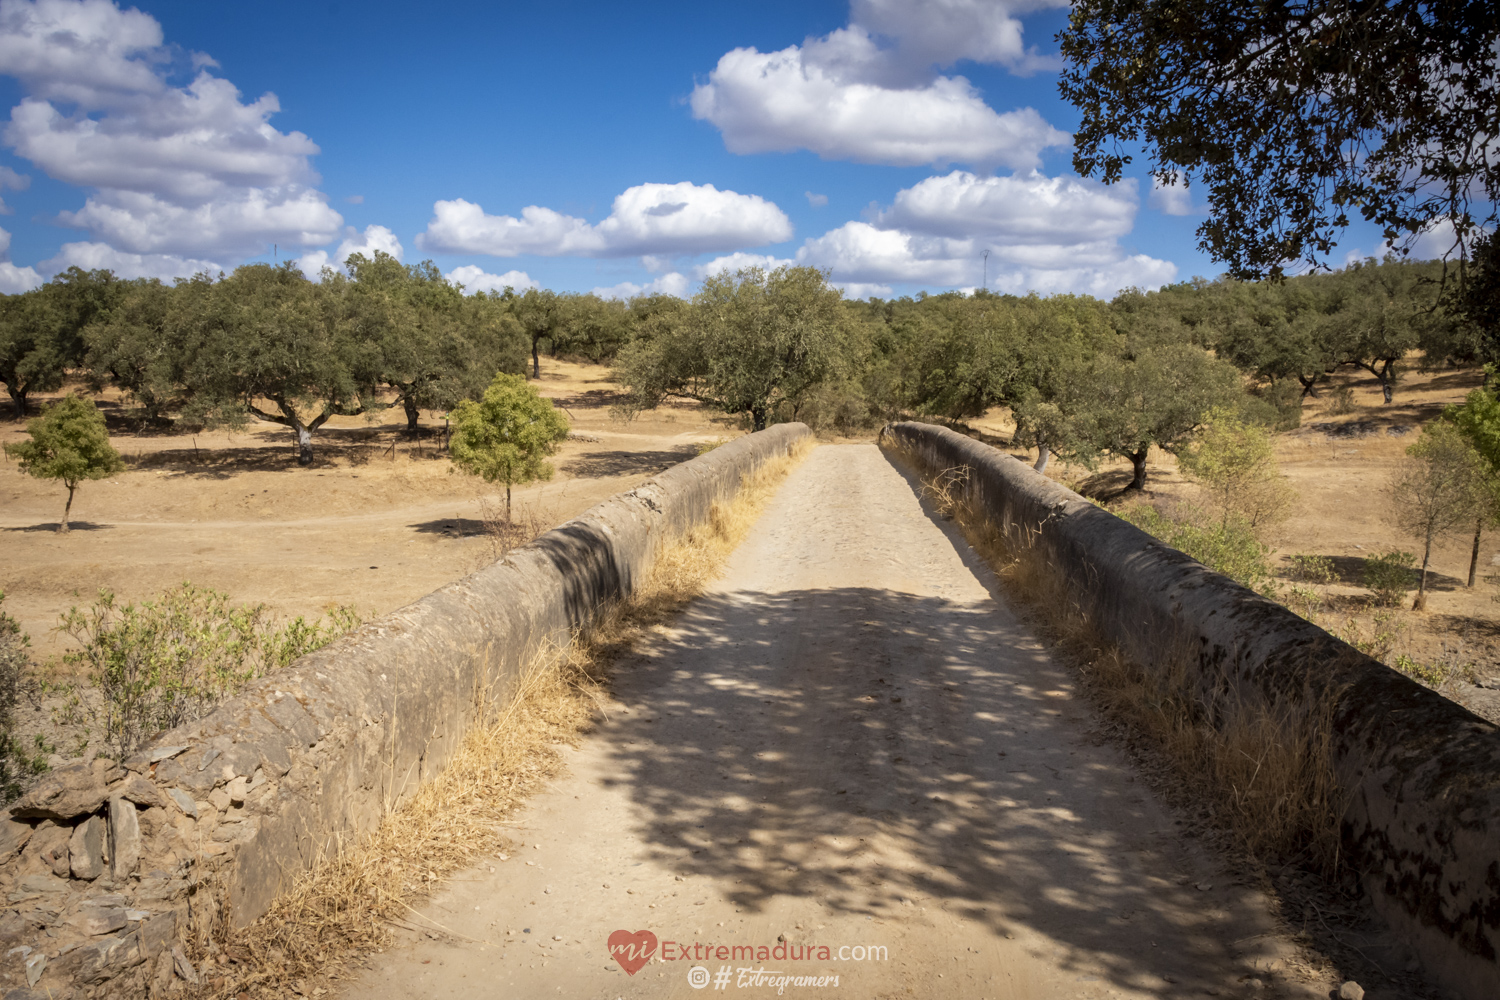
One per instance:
[(1422, 774), (44, 884), (63, 795), (95, 920), (139, 790), (183, 966), (36, 964), (285, 711), (124, 838), (13, 836), (102, 959), (164, 753), (169, 772), (86, 849), (49, 993), (157, 932), (236, 790), (184, 801), (161, 890), (49, 844)]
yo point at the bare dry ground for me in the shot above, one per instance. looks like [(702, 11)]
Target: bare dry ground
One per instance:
[(1339, 465), (379, 521)]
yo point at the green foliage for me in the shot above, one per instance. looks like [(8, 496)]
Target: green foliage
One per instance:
[(1235, 462), (1388, 577), (1440, 488), (1478, 420), (1229, 547), (17, 763), (1159, 396), (162, 663), (1292, 116), (1312, 569), (750, 341), (41, 330), (507, 436), (68, 442)]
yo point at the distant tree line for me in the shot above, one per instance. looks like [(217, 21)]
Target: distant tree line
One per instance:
[(1084, 378), (266, 342)]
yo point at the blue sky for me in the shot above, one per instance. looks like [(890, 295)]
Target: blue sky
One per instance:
[(578, 146)]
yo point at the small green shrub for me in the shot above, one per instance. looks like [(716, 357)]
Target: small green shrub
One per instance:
[(1312, 569), (1386, 629), (1389, 576), (704, 447), (1340, 401), (1229, 547), (16, 763), (159, 664), (1305, 601)]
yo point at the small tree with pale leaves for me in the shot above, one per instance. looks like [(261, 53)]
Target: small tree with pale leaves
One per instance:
[(68, 442)]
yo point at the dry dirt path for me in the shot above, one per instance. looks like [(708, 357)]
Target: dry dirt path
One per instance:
[(850, 741)]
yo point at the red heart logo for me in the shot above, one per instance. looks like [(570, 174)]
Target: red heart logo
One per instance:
[(632, 950)]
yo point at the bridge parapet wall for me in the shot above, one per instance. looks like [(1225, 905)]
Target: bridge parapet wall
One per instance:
[(108, 867), (1422, 774)]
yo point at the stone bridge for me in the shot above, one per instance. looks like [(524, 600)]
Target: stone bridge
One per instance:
[(849, 759)]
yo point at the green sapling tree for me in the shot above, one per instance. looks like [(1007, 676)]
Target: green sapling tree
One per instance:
[(68, 442), (506, 436)]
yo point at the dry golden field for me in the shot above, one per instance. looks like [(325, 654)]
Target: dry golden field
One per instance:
[(377, 522)]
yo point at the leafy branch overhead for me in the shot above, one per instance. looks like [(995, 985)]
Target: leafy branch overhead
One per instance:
[(1295, 117)]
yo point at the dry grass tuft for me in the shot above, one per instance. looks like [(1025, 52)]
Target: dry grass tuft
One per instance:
[(349, 904), (1264, 774)]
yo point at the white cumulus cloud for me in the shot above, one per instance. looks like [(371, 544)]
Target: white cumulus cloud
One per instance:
[(928, 33), (1021, 209), (648, 219), (16, 182), (1043, 234), (372, 239), (672, 283), (1171, 199), (738, 261), (93, 256), (174, 170), (765, 102), (871, 92), (476, 279), (14, 279)]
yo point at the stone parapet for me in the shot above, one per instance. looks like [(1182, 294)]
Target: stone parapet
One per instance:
[(114, 873), (1422, 773)]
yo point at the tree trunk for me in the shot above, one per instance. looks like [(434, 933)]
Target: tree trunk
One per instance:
[(18, 403), (412, 414), (1421, 602), (1309, 386), (1138, 462), (304, 444), (1387, 389), (62, 529), (758, 417), (1042, 454), (507, 503), (1474, 556), (536, 358)]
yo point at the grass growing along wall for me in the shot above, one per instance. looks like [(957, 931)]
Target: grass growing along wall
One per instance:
[(1262, 773), (351, 901)]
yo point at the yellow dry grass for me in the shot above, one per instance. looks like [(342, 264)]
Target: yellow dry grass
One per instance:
[(349, 904), (1262, 773)]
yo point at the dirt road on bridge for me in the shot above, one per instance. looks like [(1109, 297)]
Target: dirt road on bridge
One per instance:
[(850, 742)]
